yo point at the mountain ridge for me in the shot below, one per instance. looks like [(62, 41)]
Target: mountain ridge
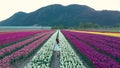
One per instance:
[(57, 14)]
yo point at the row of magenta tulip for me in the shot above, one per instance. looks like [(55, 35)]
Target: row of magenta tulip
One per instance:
[(15, 36), (103, 39), (106, 38), (12, 48), (22, 53), (99, 60), (96, 41)]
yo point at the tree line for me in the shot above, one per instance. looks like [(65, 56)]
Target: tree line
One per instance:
[(85, 25)]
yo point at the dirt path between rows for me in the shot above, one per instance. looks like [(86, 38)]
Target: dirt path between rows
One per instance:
[(55, 62)]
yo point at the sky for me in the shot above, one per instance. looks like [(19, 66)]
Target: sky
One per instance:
[(9, 7)]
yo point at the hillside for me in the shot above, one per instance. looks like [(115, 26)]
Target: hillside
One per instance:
[(71, 15)]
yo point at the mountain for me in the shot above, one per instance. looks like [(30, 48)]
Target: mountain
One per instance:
[(71, 15)]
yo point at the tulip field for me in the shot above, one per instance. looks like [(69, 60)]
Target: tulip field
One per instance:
[(14, 53), (78, 49), (68, 58), (101, 50), (43, 57)]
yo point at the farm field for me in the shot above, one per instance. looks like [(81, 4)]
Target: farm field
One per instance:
[(78, 49), (116, 34)]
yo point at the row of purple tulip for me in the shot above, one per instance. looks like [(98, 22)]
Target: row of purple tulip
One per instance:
[(106, 41), (100, 45), (99, 60), (23, 52), (14, 36), (18, 45), (111, 41)]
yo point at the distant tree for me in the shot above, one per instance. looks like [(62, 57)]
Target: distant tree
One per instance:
[(117, 25), (81, 25), (54, 27), (88, 25), (96, 25), (61, 26), (58, 27)]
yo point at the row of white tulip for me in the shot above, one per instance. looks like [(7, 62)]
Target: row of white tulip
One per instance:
[(68, 58), (42, 58)]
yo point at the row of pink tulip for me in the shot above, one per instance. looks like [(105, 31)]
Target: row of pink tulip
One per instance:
[(18, 45), (24, 52), (15, 36), (4, 32)]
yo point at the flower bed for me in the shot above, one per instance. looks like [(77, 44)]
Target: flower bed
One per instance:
[(68, 58), (110, 48), (43, 57), (99, 60), (15, 36), (22, 53), (10, 49)]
